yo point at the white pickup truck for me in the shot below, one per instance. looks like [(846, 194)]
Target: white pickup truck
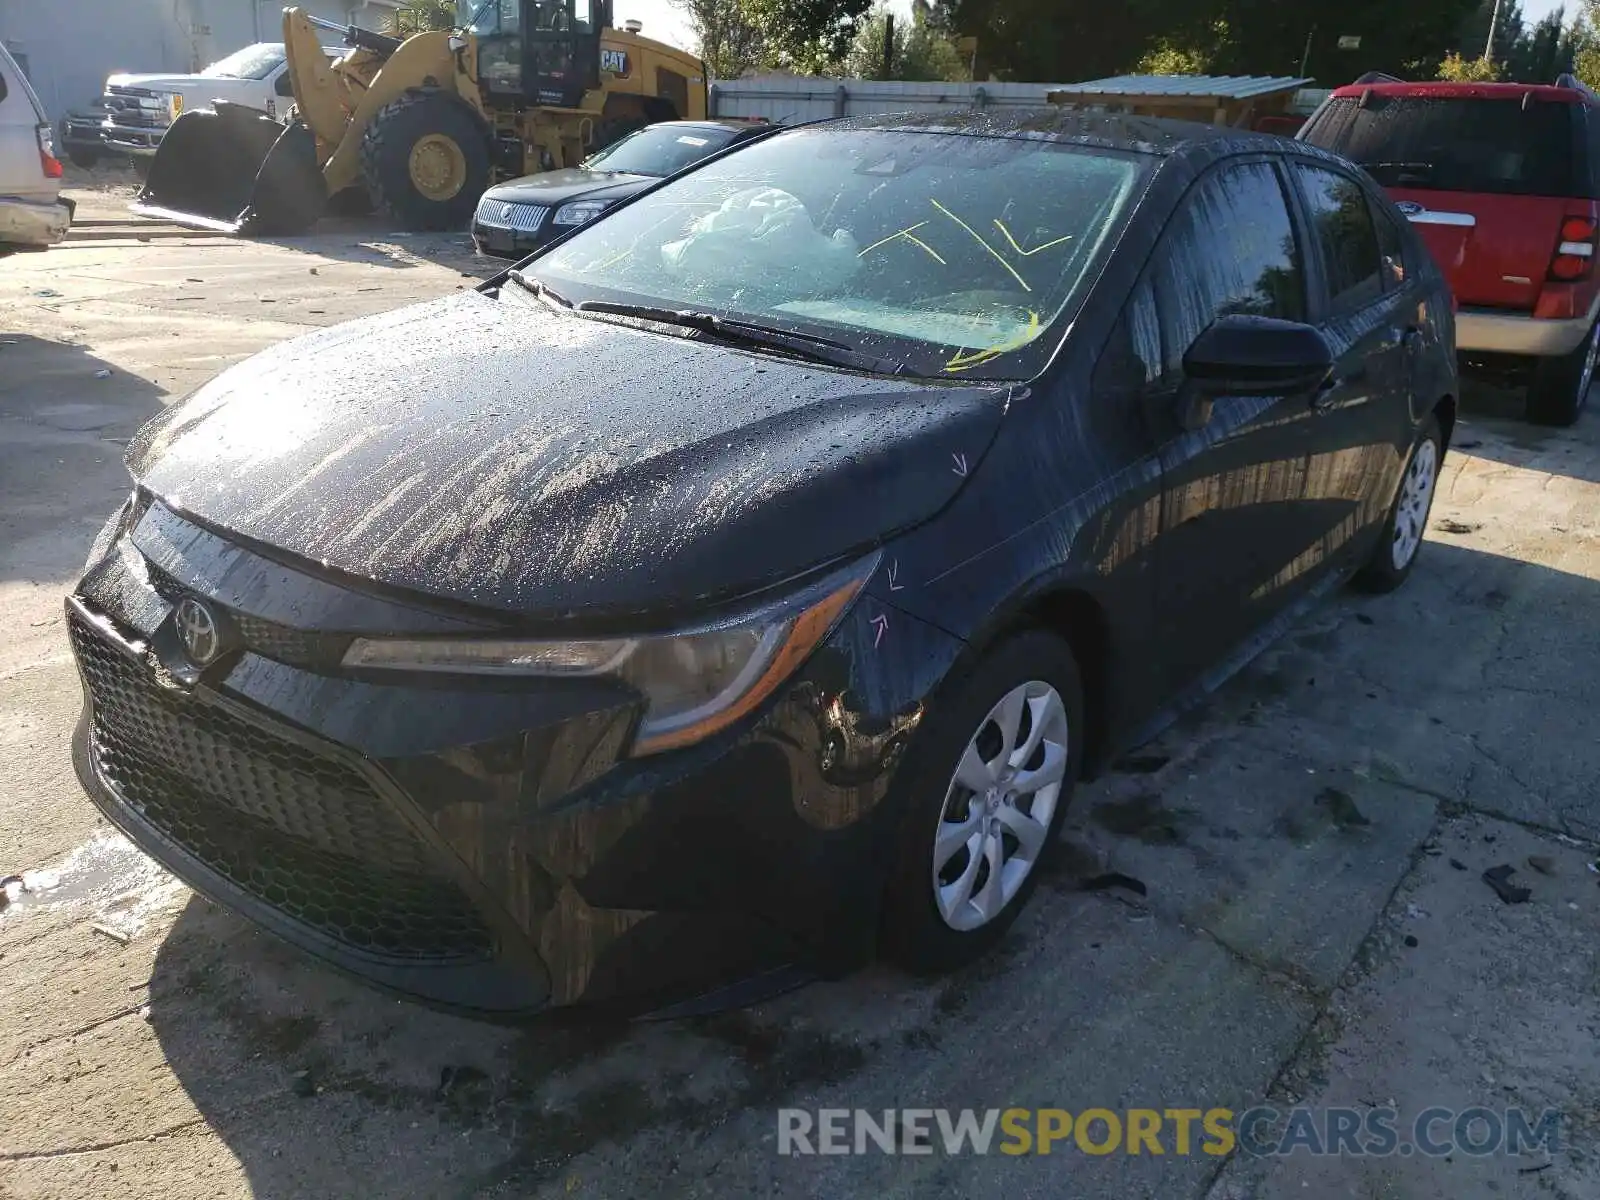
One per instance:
[(140, 107)]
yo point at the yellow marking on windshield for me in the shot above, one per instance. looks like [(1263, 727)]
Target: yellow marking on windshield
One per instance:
[(1001, 226), (612, 261), (961, 361), (907, 234), (997, 256)]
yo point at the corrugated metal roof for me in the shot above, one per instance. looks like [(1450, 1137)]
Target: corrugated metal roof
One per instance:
[(1229, 87)]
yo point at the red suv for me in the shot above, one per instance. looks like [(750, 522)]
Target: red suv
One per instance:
[(1503, 182)]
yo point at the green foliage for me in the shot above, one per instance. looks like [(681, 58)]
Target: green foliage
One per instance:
[(1468, 70), (421, 16), (729, 40), (806, 36), (922, 52)]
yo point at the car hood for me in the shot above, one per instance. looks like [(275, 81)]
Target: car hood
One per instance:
[(558, 187), (170, 82), (496, 452)]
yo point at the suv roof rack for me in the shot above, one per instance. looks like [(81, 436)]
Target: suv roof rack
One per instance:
[(1568, 80), (1380, 77)]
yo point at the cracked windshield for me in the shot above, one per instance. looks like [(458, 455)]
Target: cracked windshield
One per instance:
[(952, 254)]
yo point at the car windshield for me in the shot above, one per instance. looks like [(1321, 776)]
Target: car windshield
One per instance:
[(660, 150), (253, 62), (1454, 144), (949, 253)]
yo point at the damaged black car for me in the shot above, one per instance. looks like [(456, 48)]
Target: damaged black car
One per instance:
[(742, 584)]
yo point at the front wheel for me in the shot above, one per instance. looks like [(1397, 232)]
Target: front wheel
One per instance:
[(425, 159), (984, 788), (1398, 547), (1560, 386)]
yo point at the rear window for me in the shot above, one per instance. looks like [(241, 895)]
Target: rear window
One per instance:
[(1458, 145)]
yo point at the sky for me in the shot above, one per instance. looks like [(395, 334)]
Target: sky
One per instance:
[(663, 20)]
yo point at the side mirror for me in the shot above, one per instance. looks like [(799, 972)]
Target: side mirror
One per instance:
[(1251, 356)]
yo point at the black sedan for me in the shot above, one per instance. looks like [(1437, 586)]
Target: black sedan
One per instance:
[(746, 581), (515, 218)]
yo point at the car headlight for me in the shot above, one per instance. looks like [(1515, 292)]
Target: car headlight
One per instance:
[(694, 682), (580, 212)]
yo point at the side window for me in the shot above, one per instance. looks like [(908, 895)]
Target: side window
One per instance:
[(1230, 250), (284, 85), (1391, 251), (1342, 224)]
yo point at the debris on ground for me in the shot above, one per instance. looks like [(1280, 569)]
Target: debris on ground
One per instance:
[(1114, 879), (116, 935), (1458, 864), (103, 373), (1411, 940), (1364, 619), (302, 1084), (1468, 445), (1142, 764), (1449, 526), (1341, 807), (1499, 878), (1542, 863), (451, 1078)]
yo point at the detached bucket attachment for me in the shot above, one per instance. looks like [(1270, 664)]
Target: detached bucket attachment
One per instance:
[(235, 170)]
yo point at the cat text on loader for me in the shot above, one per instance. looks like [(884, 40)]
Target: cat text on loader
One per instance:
[(419, 127)]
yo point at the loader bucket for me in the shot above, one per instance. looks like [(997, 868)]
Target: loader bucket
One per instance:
[(235, 170)]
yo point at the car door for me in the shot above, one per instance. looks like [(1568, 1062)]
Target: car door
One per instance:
[(1367, 308), (1233, 491)]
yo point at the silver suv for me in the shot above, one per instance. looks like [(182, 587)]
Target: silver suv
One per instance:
[(33, 213)]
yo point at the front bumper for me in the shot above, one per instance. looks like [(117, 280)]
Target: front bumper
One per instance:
[(30, 224), (137, 140), (485, 847)]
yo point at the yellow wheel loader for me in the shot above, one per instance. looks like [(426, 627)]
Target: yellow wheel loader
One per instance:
[(420, 126)]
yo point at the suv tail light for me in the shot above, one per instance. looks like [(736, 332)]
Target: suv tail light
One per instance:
[(47, 152), (1574, 256)]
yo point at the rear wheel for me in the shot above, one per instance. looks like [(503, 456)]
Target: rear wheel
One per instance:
[(1560, 386), (1396, 551), (83, 156), (425, 158), (986, 784)]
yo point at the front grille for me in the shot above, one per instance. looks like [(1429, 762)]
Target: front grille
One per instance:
[(297, 830), (134, 107), (501, 214), (281, 643)]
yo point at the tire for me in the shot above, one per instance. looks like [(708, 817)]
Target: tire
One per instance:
[(386, 154), (917, 934), (1560, 386), (351, 202), (1400, 544), (83, 156)]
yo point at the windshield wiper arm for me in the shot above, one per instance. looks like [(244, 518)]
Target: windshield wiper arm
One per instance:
[(808, 346), (537, 287)]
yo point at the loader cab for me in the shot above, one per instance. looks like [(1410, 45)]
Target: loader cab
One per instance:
[(544, 52)]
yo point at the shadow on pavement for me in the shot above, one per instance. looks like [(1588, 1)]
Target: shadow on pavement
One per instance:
[(320, 1087), (61, 407)]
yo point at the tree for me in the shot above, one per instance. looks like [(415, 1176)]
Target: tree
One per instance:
[(1542, 52), (730, 42), (921, 51), (808, 36), (421, 16), (1468, 70)]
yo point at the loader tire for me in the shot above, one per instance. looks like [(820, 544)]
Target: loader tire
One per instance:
[(425, 158)]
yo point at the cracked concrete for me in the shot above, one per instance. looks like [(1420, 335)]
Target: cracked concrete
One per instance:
[(1292, 834)]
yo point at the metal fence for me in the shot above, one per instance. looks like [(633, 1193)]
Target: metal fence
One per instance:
[(788, 99)]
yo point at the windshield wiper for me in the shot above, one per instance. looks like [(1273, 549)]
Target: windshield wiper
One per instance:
[(808, 346), (537, 287)]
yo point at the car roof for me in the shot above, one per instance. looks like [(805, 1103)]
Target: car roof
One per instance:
[(1446, 90), (1067, 124), (729, 125)]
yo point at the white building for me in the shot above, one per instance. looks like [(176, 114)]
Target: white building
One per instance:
[(68, 47)]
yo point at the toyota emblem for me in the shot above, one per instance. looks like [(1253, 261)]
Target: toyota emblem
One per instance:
[(198, 631)]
